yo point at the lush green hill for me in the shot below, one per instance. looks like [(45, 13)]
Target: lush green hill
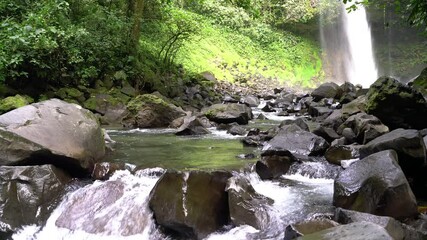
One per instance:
[(255, 50)]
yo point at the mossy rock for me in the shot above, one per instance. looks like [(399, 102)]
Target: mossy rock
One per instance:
[(146, 99), (151, 111), (71, 94), (420, 83), (396, 105), (14, 102)]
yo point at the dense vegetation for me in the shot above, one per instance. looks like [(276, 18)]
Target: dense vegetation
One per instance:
[(155, 44)]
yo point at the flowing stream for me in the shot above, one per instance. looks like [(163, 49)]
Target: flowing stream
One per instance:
[(118, 208)]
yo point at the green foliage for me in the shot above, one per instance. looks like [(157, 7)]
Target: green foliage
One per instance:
[(414, 10), (61, 42)]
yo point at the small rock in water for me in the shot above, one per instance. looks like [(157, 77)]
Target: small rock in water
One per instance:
[(347, 163), (246, 156)]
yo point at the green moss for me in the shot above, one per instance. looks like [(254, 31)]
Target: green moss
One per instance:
[(146, 99), (14, 102)]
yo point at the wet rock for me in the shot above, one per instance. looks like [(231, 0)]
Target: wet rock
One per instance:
[(352, 231), (246, 156), (251, 101), (297, 142), (326, 90), (268, 108), (191, 204), (396, 105), (51, 131), (237, 130), (192, 126), (411, 150), (228, 113), (319, 111), (300, 122), (274, 166), (229, 99), (310, 226), (349, 135), (247, 207), (261, 117), (335, 154), (395, 228), (327, 133), (28, 194), (151, 111), (104, 170), (315, 168), (366, 127), (376, 185), (95, 208)]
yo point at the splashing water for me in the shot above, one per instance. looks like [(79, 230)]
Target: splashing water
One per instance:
[(347, 46), (361, 69)]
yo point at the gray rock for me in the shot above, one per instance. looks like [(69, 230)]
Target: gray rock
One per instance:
[(297, 142), (51, 131), (352, 231), (376, 185), (28, 194), (395, 228), (228, 113), (192, 204), (192, 126), (326, 90), (151, 111), (251, 101), (271, 167), (366, 127), (247, 207), (335, 154), (411, 150), (300, 122)]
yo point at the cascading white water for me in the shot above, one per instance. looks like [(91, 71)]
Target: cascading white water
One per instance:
[(347, 45), (361, 67)]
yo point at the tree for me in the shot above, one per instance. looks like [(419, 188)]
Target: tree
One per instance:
[(415, 10)]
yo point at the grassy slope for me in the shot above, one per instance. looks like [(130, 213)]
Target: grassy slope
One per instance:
[(231, 55)]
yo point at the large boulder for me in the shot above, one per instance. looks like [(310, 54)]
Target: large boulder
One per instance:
[(376, 185), (395, 228), (51, 131), (114, 207), (28, 194), (228, 113), (250, 100), (409, 146), (191, 204), (192, 126), (151, 111), (111, 108), (273, 166), (396, 105), (296, 141), (420, 83), (326, 90), (335, 154), (352, 231), (366, 127), (247, 207)]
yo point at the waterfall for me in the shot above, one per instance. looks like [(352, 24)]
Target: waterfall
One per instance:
[(347, 44)]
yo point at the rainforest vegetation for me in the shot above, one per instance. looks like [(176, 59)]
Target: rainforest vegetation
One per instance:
[(155, 44)]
